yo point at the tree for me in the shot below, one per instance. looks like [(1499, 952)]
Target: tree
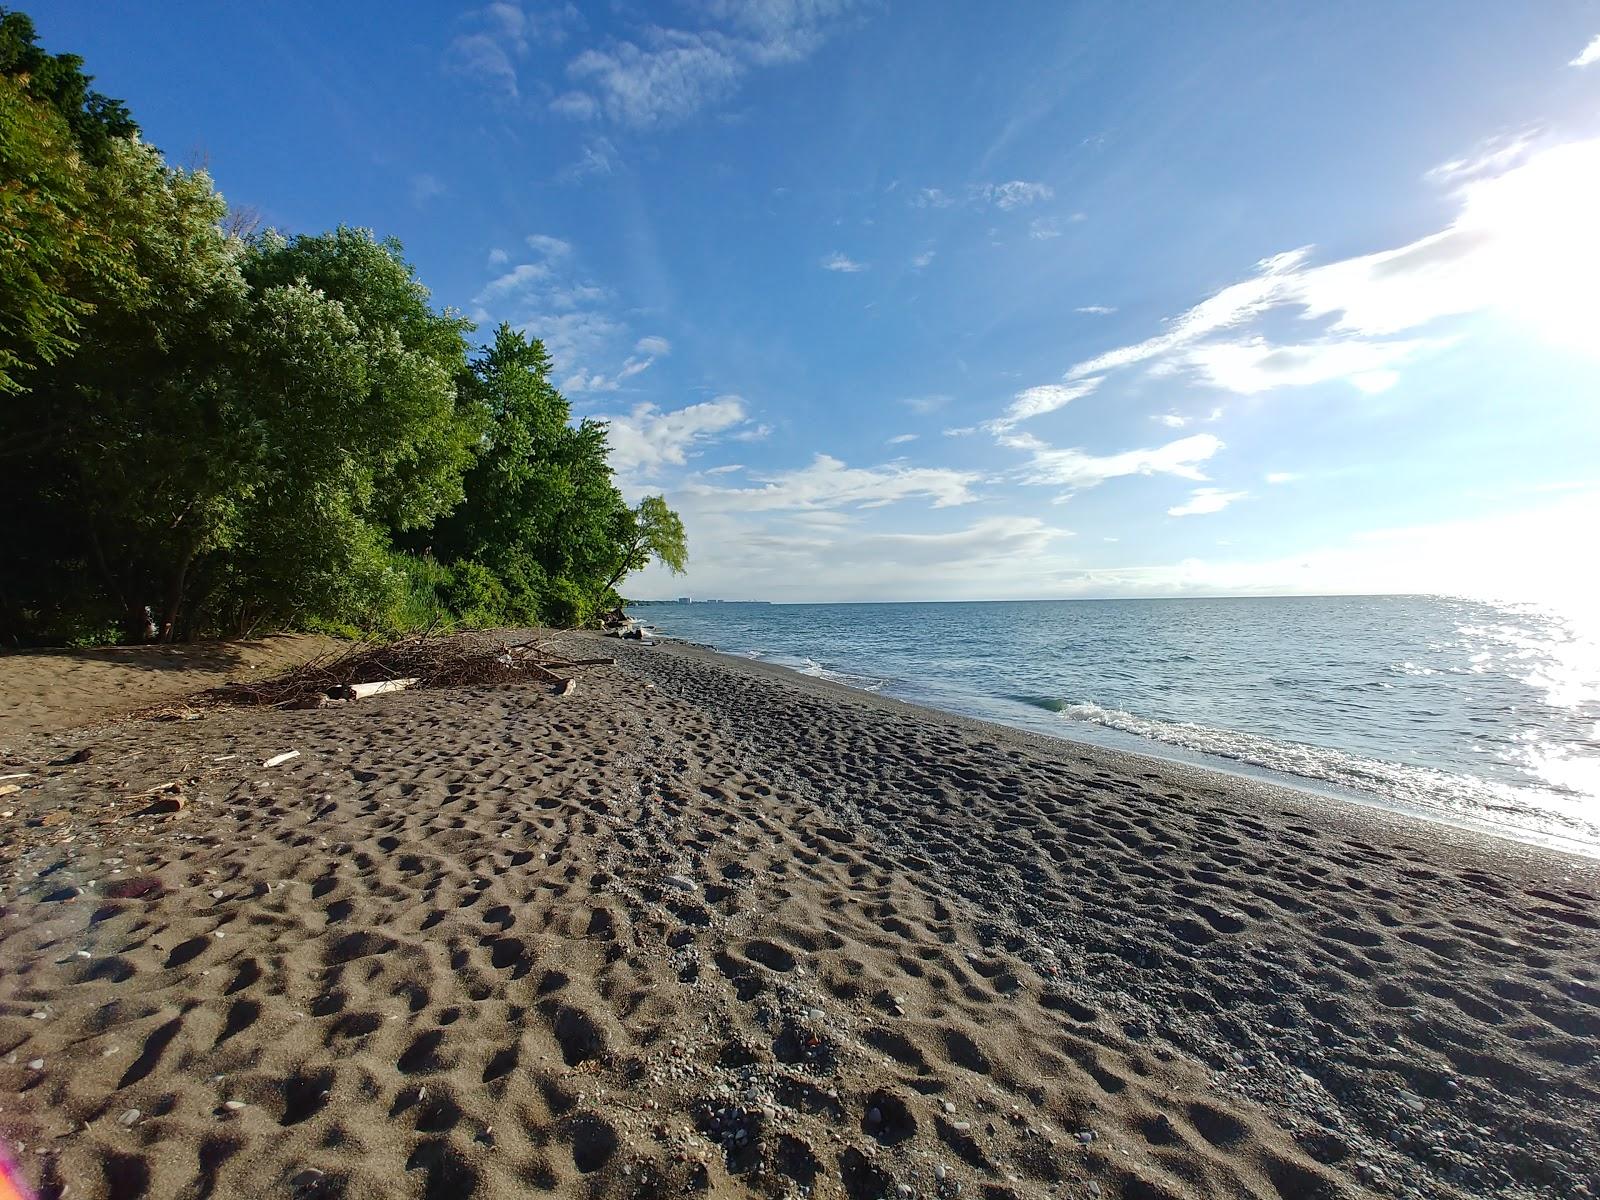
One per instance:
[(655, 532), (541, 511)]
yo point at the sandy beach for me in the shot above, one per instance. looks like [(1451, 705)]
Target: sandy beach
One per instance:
[(708, 928)]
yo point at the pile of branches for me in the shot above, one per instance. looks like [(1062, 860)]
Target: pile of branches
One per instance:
[(461, 660)]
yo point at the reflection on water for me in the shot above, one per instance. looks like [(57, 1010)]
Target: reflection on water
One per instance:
[(1459, 709)]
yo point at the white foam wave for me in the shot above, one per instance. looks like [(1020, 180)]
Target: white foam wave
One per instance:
[(1440, 792)]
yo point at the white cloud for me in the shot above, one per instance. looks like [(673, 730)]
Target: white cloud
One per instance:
[(1277, 477), (1524, 245), (548, 247), (1589, 55), (961, 431), (1095, 310), (1255, 365), (1042, 229), (1077, 468), (512, 282), (646, 439), (1171, 420), (425, 187), (501, 35), (1205, 500), (900, 439), (923, 259), (1036, 401), (756, 433), (1018, 193), (926, 404), (1015, 193), (580, 106), (664, 76), (645, 353), (599, 157), (498, 257), (725, 469), (839, 262), (827, 483)]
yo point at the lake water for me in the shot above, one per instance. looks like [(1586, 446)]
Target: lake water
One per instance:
[(1482, 715)]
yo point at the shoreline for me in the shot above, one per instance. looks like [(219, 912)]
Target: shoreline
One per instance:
[(709, 927), (1325, 801), (1181, 759)]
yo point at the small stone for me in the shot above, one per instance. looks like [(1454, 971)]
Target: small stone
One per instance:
[(940, 1171), (682, 883), (949, 1107), (874, 1117), (217, 893), (816, 1016), (234, 1105), (36, 1064), (307, 1179), (130, 1118), (40, 1015)]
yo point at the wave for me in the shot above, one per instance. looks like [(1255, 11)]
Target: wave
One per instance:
[(1428, 789)]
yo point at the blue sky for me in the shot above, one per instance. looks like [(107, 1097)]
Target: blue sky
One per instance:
[(947, 301)]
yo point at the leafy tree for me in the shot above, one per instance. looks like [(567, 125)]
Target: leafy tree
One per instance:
[(95, 121), (541, 510), (655, 531), (209, 430)]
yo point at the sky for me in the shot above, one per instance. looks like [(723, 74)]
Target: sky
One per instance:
[(936, 300)]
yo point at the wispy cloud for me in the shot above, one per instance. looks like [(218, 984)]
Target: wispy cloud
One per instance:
[(663, 76), (1277, 477), (1095, 310), (900, 439), (645, 353), (922, 260), (1524, 244), (500, 35), (1255, 365), (1589, 55), (1014, 193), (1036, 401), (827, 483), (926, 404), (1017, 193), (498, 257), (1077, 468), (839, 262), (598, 157), (425, 187), (1205, 500)]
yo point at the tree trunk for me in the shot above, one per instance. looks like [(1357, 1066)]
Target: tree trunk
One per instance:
[(169, 620)]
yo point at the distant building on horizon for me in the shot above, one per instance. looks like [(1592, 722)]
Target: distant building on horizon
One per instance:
[(685, 600)]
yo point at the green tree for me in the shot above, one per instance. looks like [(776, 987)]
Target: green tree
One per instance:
[(654, 532)]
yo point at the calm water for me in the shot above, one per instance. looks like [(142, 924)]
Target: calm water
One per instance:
[(1479, 714)]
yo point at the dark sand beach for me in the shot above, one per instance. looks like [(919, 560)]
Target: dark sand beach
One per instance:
[(709, 928)]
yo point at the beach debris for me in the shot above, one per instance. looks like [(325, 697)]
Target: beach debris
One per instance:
[(681, 882), (72, 760), (277, 760), (130, 1118), (367, 670), (9, 788), (17, 775), (360, 691)]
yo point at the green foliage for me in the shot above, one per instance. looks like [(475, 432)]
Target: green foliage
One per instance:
[(212, 435)]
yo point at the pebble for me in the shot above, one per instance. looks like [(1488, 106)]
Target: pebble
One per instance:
[(36, 1064), (682, 883), (949, 1107), (233, 1105), (130, 1118), (940, 1171)]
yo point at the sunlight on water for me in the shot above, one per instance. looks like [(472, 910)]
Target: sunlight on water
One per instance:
[(1475, 713)]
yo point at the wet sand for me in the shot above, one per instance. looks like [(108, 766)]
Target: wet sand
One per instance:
[(709, 928)]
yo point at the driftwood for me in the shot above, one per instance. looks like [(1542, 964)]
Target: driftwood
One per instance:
[(428, 661)]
